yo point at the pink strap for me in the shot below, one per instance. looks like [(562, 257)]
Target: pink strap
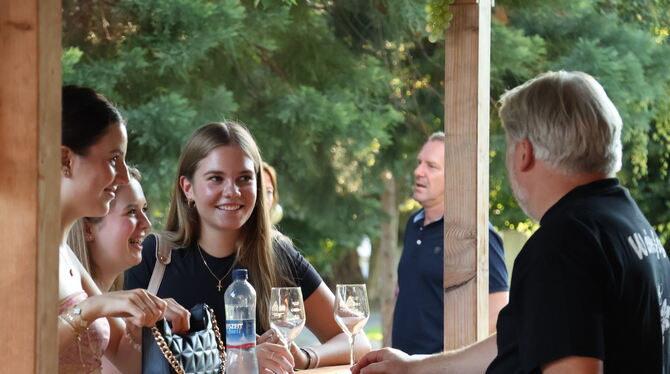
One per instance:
[(163, 257)]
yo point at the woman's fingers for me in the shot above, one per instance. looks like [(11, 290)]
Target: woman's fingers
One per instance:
[(274, 357), (267, 337), (152, 307), (271, 336), (141, 307), (178, 315)]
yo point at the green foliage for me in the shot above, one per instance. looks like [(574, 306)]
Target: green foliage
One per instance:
[(626, 59), (318, 108), (69, 58), (623, 58), (514, 56), (336, 93), (652, 15), (651, 190), (438, 17)]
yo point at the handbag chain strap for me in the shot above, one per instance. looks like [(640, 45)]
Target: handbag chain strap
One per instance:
[(217, 333), (169, 356)]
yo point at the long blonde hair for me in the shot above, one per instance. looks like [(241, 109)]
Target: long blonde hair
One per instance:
[(254, 248), (76, 239)]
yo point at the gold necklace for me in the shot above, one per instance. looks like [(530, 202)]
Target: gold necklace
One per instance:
[(218, 280)]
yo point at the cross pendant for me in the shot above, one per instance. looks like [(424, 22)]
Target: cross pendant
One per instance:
[(219, 286)]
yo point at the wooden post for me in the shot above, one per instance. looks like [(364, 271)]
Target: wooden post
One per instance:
[(30, 82), (466, 126)]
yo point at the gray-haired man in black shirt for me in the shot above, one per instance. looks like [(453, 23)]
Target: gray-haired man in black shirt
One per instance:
[(590, 288)]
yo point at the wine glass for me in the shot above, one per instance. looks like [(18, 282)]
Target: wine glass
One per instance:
[(351, 311), (287, 312)]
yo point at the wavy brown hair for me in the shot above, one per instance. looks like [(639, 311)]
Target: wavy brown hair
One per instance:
[(254, 248)]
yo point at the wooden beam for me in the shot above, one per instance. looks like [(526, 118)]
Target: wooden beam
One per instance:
[(30, 82), (466, 126)]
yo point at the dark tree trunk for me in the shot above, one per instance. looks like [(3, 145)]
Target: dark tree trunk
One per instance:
[(383, 274)]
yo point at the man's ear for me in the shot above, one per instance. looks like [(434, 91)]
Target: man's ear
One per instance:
[(526, 155)]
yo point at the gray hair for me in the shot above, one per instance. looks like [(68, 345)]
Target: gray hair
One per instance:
[(568, 118), (436, 137)]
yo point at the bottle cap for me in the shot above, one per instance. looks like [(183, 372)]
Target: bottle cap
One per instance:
[(240, 274)]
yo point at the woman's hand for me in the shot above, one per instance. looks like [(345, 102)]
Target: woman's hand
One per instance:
[(138, 306), (178, 315), (273, 356), (300, 359)]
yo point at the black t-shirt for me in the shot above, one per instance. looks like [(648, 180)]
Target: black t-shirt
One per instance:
[(188, 281), (592, 281)]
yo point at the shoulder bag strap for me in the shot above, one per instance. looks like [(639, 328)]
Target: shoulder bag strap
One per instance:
[(163, 256)]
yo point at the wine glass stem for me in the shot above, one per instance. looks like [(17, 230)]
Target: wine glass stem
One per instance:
[(352, 338)]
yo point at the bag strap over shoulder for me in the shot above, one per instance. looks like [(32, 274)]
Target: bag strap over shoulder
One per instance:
[(163, 257)]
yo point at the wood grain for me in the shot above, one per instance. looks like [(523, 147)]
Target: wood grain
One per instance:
[(467, 48), (29, 183)]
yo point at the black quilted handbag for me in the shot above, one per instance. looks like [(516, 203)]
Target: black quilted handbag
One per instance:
[(199, 351)]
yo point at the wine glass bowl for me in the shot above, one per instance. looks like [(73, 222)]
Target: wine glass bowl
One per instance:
[(287, 312), (351, 311)]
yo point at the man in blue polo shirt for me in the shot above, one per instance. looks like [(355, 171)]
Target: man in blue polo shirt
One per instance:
[(418, 323)]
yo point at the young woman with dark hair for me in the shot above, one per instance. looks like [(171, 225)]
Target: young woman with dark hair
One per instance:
[(93, 166)]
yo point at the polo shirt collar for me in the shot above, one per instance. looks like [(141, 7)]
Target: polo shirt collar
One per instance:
[(421, 215)]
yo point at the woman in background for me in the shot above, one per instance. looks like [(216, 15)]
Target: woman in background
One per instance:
[(272, 193)]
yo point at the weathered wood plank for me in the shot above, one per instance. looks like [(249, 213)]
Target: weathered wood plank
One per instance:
[(30, 83), (467, 48)]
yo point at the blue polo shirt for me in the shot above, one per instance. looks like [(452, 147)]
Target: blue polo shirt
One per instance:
[(418, 325)]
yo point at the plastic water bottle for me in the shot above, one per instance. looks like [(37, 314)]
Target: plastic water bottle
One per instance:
[(240, 300)]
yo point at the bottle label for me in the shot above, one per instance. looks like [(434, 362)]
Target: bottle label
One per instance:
[(240, 334)]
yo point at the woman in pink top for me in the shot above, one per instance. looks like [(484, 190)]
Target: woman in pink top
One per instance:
[(93, 166)]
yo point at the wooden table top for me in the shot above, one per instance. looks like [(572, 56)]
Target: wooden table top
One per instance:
[(341, 369)]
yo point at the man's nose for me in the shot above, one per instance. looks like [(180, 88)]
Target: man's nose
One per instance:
[(419, 170)]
